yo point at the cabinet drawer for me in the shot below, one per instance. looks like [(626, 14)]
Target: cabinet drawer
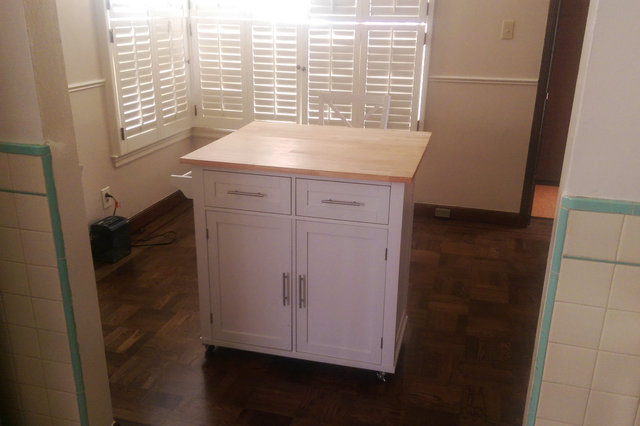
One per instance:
[(269, 194), (344, 201)]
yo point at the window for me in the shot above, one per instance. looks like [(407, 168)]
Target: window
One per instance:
[(260, 60), (149, 51)]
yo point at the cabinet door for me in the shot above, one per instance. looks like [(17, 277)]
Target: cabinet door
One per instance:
[(340, 290), (250, 270)]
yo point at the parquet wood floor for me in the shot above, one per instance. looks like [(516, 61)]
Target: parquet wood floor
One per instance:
[(473, 306)]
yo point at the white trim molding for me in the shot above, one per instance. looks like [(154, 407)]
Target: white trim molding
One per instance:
[(85, 85), (121, 160), (483, 80)]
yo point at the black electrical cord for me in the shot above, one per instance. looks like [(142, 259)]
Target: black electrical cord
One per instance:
[(170, 235)]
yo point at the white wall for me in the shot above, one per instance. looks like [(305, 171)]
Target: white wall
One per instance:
[(19, 114), (34, 88), (477, 155), (603, 147), (137, 185)]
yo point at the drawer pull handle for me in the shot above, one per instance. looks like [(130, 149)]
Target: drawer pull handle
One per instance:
[(246, 194), (302, 301), (285, 289), (342, 203)]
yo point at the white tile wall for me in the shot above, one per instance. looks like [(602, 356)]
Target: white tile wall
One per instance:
[(562, 403), (39, 248), (13, 278), (625, 291), (591, 373), (33, 212), (621, 332), (570, 365), (584, 282), (49, 314), (36, 376), (11, 245), (592, 235), (576, 325), (617, 373), (5, 176), (8, 215), (24, 340), (26, 173), (44, 282), (54, 346), (610, 409), (629, 250), (64, 405), (18, 310)]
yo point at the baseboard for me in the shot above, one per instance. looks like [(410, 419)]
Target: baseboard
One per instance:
[(154, 211), (469, 215)]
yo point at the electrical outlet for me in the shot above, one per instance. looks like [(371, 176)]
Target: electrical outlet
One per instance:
[(107, 202)]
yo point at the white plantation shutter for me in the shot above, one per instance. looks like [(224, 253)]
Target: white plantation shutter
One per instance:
[(219, 71), (262, 60), (393, 62), (333, 8), (275, 74), (332, 51), (398, 8), (149, 49)]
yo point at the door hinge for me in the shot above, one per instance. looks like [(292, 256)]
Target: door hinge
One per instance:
[(381, 342), (386, 251), (108, 4), (121, 133), (207, 233), (425, 38), (211, 318), (190, 30), (195, 110), (428, 7), (418, 125), (111, 36)]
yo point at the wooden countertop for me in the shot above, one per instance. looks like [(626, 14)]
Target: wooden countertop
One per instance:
[(329, 151)]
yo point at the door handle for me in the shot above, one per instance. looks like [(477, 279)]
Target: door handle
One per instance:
[(285, 288), (302, 296)]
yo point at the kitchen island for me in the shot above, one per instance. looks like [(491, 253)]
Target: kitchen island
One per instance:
[(303, 238)]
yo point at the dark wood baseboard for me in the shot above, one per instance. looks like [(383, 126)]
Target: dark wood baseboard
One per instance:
[(154, 211), (469, 215)]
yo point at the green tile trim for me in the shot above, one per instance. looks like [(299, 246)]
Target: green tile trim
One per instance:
[(545, 324), (13, 191), (44, 151), (65, 288), (601, 205), (24, 149), (611, 262)]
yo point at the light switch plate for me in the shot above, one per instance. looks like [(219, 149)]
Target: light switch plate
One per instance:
[(508, 27)]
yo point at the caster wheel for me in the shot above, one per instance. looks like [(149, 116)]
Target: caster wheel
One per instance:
[(381, 376)]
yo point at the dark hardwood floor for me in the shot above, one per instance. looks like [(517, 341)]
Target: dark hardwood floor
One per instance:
[(473, 306)]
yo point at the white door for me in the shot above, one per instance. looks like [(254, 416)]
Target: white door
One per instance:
[(250, 270), (340, 290)]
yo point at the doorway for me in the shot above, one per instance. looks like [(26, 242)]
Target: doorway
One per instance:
[(558, 74)]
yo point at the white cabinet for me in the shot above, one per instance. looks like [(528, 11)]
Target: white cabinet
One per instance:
[(341, 277), (250, 270), (303, 238), (314, 269)]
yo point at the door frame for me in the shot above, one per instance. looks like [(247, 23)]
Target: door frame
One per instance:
[(526, 201)]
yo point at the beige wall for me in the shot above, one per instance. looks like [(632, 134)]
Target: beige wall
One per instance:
[(19, 114), (480, 101), (138, 184)]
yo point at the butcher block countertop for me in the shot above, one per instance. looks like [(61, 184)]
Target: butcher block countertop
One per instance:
[(328, 151)]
